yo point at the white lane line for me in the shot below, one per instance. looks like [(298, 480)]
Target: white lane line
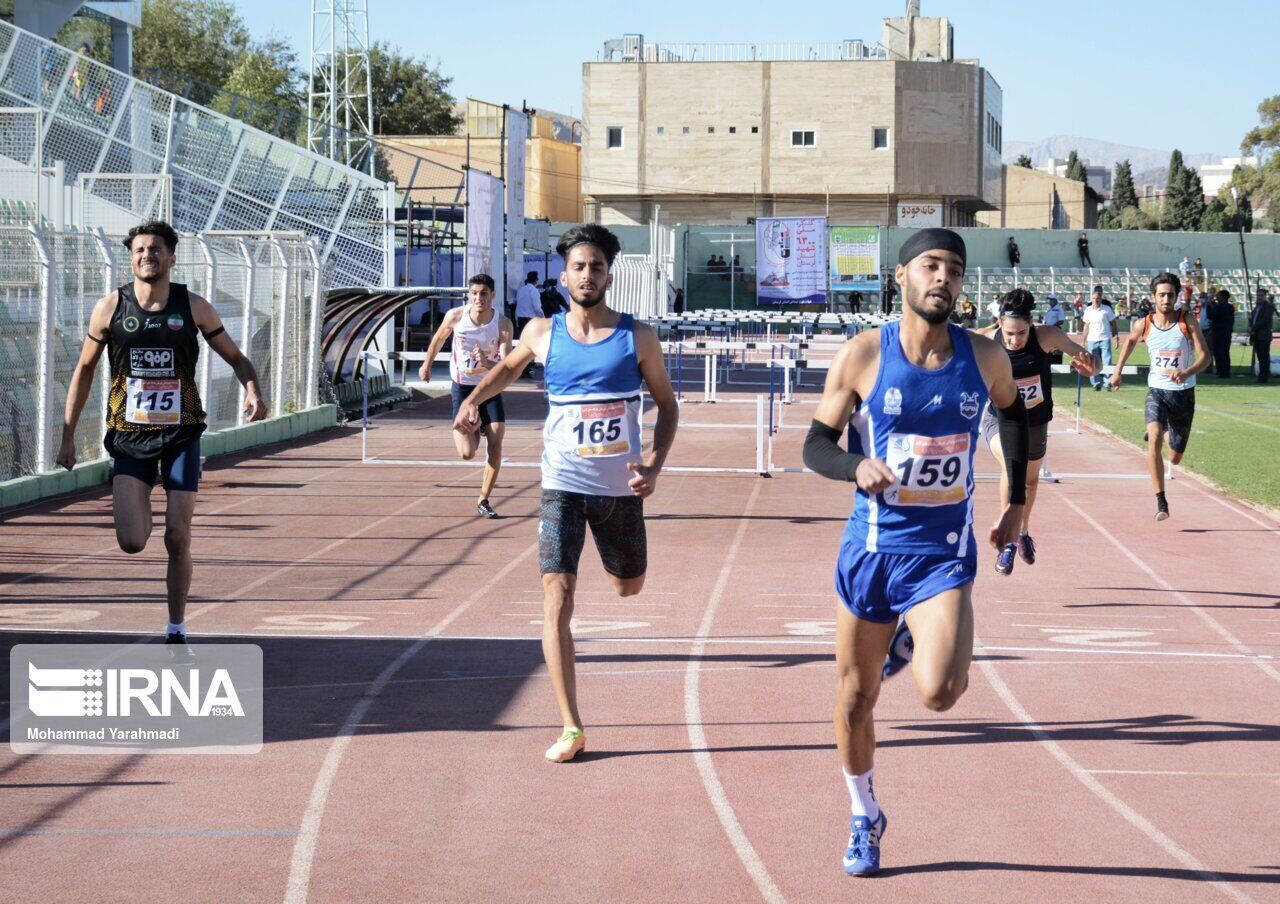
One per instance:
[(698, 738), (1079, 615), (1144, 628), (1244, 657), (304, 847), (592, 615), (1180, 772), (1266, 667), (1163, 841)]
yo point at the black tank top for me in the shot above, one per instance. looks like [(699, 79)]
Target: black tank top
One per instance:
[(1034, 378), (153, 365)]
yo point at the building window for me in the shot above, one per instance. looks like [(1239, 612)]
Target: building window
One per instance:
[(802, 139), (662, 130), (733, 130), (684, 130), (613, 137), (880, 139), (755, 130), (711, 130)]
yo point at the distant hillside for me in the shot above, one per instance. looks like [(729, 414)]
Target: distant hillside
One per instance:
[(1100, 152)]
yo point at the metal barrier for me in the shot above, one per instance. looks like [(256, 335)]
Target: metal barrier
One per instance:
[(267, 287)]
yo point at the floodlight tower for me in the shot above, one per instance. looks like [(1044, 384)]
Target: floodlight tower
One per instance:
[(340, 106)]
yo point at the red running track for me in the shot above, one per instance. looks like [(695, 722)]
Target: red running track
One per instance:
[(1118, 740)]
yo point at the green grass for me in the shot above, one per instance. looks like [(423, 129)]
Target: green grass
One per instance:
[(1235, 439)]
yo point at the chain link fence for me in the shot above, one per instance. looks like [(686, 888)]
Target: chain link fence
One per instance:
[(266, 287), (226, 175)]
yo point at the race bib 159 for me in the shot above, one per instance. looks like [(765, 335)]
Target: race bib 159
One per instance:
[(931, 470)]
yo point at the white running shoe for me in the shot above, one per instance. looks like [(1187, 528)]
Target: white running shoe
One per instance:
[(571, 743)]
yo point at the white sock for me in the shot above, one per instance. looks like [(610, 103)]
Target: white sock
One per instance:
[(179, 628), (861, 795)]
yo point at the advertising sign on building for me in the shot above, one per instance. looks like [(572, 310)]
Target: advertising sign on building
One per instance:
[(855, 258), (517, 132), (919, 213), (791, 260)]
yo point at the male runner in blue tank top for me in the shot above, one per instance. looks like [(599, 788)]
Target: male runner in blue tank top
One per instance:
[(594, 471), (915, 391)]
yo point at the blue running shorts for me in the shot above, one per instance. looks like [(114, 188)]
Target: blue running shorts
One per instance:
[(881, 586)]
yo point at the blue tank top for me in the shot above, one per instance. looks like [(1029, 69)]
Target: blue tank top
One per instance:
[(924, 425), (593, 423)]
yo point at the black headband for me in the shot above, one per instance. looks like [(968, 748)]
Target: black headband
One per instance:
[(931, 240)]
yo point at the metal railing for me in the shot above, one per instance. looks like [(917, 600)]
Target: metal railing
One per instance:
[(267, 288), (226, 175)]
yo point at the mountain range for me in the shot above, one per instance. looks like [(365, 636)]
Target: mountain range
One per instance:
[(1097, 152)]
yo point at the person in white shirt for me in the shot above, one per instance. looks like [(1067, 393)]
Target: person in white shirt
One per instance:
[(528, 305), (993, 309), (1054, 316), (1098, 318)]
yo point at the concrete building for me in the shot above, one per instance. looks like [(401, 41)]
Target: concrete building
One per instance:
[(1214, 176), (899, 132), (1034, 199), (1098, 175), (552, 166)]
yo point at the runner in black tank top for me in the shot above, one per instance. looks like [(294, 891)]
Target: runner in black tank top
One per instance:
[(154, 413), (1029, 346)]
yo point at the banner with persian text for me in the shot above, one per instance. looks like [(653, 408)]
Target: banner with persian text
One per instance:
[(791, 260), (484, 229), (855, 258)]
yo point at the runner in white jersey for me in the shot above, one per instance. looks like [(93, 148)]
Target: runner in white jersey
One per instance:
[(594, 469), (481, 339), (1178, 352)]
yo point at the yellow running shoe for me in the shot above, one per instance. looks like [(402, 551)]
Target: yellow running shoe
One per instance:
[(571, 743)]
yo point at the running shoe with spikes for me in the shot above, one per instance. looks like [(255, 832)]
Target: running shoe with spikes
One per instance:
[(571, 743), (901, 649), (1162, 507), (862, 856), (1027, 548), (485, 510), (1004, 561)]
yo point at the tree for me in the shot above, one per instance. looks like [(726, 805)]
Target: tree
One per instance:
[(1261, 183), (1123, 194), (1024, 161), (1216, 218), (268, 72), (410, 97), (200, 39), (1137, 218), (1075, 168), (1182, 204)]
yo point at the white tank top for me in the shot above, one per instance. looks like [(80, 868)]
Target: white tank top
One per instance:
[(473, 345), (1171, 350)]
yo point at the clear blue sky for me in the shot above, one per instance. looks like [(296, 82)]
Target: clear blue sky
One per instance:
[(1140, 72)]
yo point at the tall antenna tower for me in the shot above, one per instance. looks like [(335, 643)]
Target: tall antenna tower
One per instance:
[(340, 105)]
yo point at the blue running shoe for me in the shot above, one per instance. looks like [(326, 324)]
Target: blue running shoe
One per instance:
[(1004, 561), (901, 649), (862, 858)]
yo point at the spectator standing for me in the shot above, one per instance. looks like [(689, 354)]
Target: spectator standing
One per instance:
[(1082, 245), (552, 300), (1098, 318), (993, 308), (1222, 317), (1015, 256), (1261, 330), (528, 305), (1054, 315), (1184, 268), (886, 298), (1078, 321), (968, 313), (678, 305)]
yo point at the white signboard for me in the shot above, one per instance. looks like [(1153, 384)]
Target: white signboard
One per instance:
[(791, 260), (484, 229), (517, 132), (919, 213)]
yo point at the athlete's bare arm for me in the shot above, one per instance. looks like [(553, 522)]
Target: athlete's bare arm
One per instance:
[(208, 321), (1052, 339), (852, 377), (1130, 343), (533, 347), (1202, 353), (654, 371), (506, 333), (82, 379), (447, 324)]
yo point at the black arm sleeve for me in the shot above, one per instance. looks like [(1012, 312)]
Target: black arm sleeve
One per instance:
[(823, 455), (1015, 443)]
